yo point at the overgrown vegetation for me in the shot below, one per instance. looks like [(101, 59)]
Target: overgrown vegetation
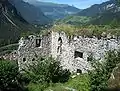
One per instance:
[(46, 74), (90, 30), (79, 83), (96, 79), (9, 76), (37, 77), (47, 70), (102, 71)]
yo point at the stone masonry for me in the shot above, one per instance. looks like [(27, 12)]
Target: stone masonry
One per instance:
[(72, 53)]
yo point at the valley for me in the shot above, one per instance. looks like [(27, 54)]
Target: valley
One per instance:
[(49, 46)]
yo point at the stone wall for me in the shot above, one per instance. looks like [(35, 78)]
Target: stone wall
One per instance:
[(72, 53), (32, 48), (75, 52)]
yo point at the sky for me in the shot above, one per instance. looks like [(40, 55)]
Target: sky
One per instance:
[(82, 4)]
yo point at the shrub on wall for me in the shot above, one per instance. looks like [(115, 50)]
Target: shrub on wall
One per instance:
[(47, 70)]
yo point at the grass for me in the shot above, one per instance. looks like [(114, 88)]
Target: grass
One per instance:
[(36, 87), (57, 87), (79, 83)]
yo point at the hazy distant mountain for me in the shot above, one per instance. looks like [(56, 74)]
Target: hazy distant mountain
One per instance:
[(104, 13), (54, 11), (30, 13), (110, 16), (96, 9)]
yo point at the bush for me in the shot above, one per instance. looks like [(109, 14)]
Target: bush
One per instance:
[(102, 70), (47, 70), (9, 76), (114, 81)]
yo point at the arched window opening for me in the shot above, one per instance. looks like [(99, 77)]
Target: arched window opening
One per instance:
[(60, 40), (38, 43), (59, 49)]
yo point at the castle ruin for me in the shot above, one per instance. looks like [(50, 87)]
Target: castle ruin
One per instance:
[(72, 53)]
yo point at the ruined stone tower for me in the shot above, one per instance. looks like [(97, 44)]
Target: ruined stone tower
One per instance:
[(72, 53)]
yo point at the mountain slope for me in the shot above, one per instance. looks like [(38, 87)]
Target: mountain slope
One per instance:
[(12, 25), (107, 18), (100, 8), (74, 20), (54, 11), (111, 16), (30, 13), (103, 14)]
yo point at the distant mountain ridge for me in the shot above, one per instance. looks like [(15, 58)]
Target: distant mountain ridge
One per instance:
[(111, 16), (96, 9), (54, 11), (104, 13)]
